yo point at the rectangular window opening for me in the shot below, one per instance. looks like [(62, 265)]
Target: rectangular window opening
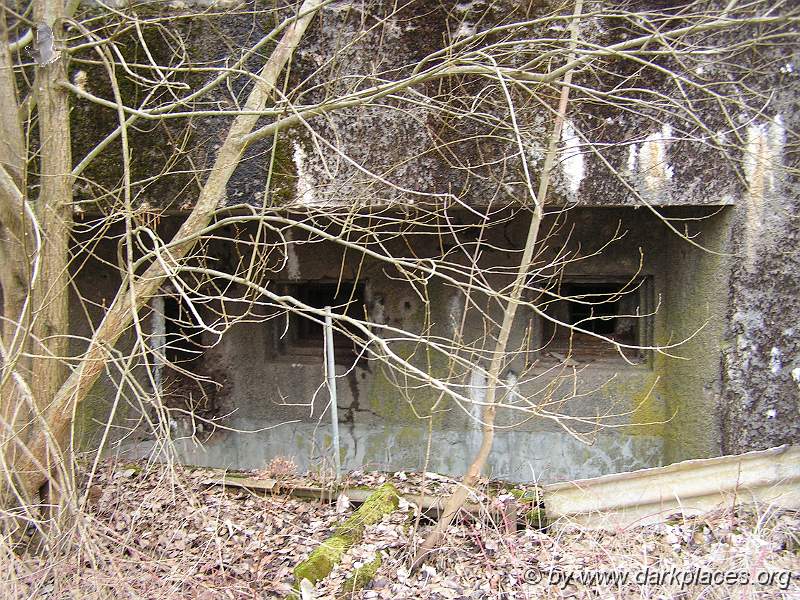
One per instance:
[(183, 336), (306, 333), (618, 310)]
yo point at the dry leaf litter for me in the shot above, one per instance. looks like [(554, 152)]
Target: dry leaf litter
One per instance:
[(163, 533)]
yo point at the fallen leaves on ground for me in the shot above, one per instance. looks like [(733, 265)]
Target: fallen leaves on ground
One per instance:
[(158, 532)]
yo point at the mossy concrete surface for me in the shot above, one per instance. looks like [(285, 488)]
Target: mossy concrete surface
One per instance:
[(316, 567), (696, 304)]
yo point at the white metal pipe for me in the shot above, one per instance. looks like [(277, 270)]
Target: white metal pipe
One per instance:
[(158, 342), (330, 368)]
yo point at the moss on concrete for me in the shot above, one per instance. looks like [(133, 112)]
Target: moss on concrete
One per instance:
[(526, 495), (648, 416), (534, 512), (155, 144), (168, 153), (322, 560), (384, 396), (282, 171), (639, 397), (690, 387), (407, 411), (90, 414)]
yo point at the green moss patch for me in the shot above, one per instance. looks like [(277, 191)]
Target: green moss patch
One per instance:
[(322, 560), (359, 579), (316, 567), (535, 516)]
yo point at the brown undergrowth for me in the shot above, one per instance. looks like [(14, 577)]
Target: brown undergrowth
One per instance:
[(160, 532)]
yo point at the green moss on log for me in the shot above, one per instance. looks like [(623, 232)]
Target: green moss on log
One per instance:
[(322, 560), (316, 567), (359, 579)]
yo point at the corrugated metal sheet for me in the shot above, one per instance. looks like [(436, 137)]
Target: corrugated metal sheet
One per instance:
[(770, 477)]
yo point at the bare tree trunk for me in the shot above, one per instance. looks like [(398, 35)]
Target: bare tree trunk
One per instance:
[(13, 268), (16, 239), (55, 421), (459, 496), (49, 296)]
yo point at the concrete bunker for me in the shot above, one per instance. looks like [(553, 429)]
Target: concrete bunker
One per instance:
[(259, 390)]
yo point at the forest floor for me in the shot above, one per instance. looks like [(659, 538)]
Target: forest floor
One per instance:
[(151, 531)]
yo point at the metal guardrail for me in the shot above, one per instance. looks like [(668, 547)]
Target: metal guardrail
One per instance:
[(768, 477)]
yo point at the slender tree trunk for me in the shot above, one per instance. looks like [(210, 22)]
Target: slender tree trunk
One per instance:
[(459, 496), (55, 422), (49, 296), (13, 268), (16, 239)]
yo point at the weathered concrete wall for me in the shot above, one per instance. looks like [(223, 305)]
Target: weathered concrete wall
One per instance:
[(762, 362), (428, 154), (735, 384), (279, 395), (95, 285), (696, 308), (417, 146)]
